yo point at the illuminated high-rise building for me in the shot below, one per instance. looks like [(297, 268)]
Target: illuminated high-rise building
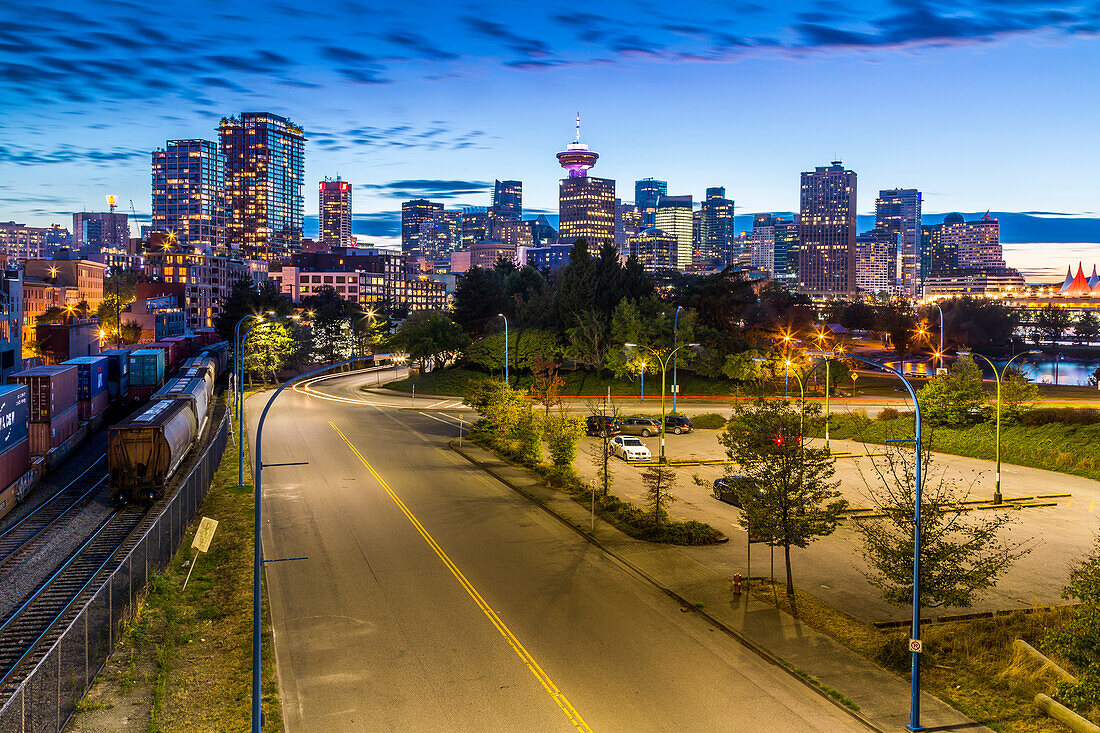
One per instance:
[(654, 249), (628, 221), (827, 251), (414, 214), (264, 174), (440, 234), (717, 228), (976, 244), (586, 205), (876, 255), (98, 231), (647, 192), (334, 213), (475, 225), (189, 193), (674, 216), (898, 212), (508, 199)]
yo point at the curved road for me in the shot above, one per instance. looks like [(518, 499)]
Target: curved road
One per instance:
[(435, 598)]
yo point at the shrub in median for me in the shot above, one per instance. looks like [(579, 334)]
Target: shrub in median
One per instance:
[(709, 421), (1067, 415)]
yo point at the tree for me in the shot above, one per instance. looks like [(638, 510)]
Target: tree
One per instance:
[(131, 332), (1018, 394), (1086, 329), (479, 297), (601, 451), (899, 323), (331, 338), (563, 434), (1051, 322), (956, 398), (431, 337), (1078, 641), (547, 384), (975, 322), (246, 298), (961, 553), (53, 314), (658, 480), (267, 350), (794, 499), (118, 293)]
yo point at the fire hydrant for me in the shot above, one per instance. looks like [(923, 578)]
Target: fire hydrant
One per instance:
[(736, 584)]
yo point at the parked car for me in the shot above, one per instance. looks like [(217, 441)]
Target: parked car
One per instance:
[(630, 448), (643, 426), (602, 425), (731, 489), (678, 424)]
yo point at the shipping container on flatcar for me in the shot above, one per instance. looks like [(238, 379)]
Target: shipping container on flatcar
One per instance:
[(118, 372), (147, 368), (91, 385), (52, 390), (15, 459), (145, 449), (171, 354)]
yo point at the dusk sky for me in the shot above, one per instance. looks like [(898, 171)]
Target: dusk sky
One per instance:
[(981, 105)]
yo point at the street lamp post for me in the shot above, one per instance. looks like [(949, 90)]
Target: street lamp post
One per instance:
[(914, 693), (675, 328), (643, 381), (997, 498), (940, 355), (664, 371), (257, 549), (237, 360), (240, 401), (505, 347)]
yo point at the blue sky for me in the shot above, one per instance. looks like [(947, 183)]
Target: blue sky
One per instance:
[(982, 104)]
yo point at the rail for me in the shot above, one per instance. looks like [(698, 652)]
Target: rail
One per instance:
[(40, 693)]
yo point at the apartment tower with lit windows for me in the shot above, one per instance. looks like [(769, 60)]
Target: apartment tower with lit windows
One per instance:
[(334, 213), (189, 193), (827, 232), (264, 174)]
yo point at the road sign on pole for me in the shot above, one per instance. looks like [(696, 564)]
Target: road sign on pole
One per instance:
[(201, 543)]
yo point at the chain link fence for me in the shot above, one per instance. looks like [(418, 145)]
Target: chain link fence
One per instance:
[(46, 697)]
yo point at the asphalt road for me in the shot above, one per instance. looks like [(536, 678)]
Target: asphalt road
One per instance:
[(436, 599)]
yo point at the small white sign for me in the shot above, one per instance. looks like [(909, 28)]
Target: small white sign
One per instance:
[(916, 646), (204, 534)]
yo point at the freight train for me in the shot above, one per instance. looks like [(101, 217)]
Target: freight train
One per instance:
[(145, 449), (43, 410)]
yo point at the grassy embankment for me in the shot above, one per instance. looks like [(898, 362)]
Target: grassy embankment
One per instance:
[(968, 664), (452, 382), (187, 655), (1069, 448)]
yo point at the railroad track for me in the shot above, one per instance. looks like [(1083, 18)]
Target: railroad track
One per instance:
[(31, 624), (28, 534)]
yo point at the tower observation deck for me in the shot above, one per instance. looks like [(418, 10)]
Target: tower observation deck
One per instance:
[(577, 158)]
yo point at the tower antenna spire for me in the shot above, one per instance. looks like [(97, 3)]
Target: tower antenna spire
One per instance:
[(578, 127)]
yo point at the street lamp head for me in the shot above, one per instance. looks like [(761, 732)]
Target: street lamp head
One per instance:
[(693, 346), (965, 352), (1035, 352), (630, 346), (269, 313), (789, 362)]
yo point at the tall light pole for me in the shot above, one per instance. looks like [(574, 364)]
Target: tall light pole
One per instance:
[(664, 371), (827, 356), (675, 328), (240, 402), (237, 360), (997, 498), (914, 692), (643, 380), (937, 307), (257, 548), (505, 347)]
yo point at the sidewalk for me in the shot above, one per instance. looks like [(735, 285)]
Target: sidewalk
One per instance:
[(883, 697)]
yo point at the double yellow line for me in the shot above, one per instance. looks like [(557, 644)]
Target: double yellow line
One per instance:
[(543, 678)]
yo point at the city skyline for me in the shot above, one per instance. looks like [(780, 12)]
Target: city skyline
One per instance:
[(400, 116)]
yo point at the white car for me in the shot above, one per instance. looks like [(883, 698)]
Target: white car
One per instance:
[(630, 448)]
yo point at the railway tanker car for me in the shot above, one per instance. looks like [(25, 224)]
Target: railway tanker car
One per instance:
[(195, 391), (145, 449)]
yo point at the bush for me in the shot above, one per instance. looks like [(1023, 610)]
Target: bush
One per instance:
[(888, 413), (954, 399), (709, 421), (1066, 415), (563, 433)]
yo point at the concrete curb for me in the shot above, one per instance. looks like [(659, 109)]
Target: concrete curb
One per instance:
[(763, 653)]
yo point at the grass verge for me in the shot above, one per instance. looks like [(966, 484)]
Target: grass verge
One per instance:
[(622, 514), (968, 664), (1068, 448), (186, 657)]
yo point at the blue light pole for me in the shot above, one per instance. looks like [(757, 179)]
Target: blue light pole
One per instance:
[(240, 417), (675, 384), (914, 701), (505, 347), (237, 361), (257, 562)]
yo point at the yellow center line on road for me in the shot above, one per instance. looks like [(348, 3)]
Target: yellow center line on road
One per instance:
[(543, 678)]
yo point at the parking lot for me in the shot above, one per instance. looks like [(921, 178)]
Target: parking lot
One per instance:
[(832, 568)]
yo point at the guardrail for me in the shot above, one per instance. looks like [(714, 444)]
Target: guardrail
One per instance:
[(45, 697)]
